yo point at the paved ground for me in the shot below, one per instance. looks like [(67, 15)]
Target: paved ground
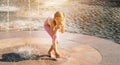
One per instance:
[(77, 49)]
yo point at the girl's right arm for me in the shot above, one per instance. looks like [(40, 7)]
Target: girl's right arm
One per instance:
[(54, 30), (47, 21)]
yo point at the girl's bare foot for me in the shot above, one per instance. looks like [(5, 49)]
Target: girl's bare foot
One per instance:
[(57, 55), (51, 54)]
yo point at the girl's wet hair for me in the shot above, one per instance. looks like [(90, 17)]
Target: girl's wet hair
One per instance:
[(59, 14)]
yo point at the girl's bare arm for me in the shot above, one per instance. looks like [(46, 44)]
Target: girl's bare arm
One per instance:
[(62, 29), (54, 30), (47, 21)]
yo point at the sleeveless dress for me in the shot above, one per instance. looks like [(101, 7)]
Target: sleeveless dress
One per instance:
[(47, 28)]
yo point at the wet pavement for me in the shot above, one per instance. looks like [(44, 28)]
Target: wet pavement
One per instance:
[(76, 48)]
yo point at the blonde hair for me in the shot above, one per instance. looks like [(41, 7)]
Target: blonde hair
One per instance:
[(59, 14), (59, 17)]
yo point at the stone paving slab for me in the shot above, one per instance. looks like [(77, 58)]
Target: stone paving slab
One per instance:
[(82, 44)]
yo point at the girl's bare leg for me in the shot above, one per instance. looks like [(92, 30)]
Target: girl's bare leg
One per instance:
[(51, 50), (56, 49)]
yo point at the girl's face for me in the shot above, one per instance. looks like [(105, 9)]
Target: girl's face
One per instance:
[(59, 20)]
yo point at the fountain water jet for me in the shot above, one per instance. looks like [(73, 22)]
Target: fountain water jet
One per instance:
[(29, 38)]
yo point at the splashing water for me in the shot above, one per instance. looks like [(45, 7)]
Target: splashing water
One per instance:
[(26, 53)]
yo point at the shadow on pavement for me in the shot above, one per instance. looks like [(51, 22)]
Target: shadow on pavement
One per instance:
[(14, 57)]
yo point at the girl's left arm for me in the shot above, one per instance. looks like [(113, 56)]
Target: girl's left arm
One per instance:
[(62, 29)]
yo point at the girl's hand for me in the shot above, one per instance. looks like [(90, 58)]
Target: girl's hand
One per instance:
[(58, 26)]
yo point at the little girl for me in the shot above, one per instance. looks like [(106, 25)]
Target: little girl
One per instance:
[(53, 26)]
